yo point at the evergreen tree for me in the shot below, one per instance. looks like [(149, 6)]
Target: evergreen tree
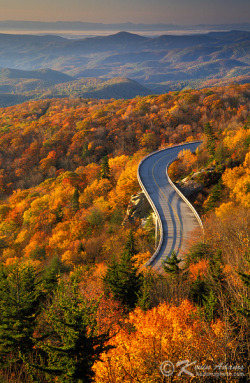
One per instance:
[(202, 294), (215, 285), (199, 291), (105, 169), (20, 298), (50, 281), (207, 291), (85, 151), (209, 304), (144, 298), (59, 214), (247, 124), (58, 266), (130, 246), (111, 278), (74, 343), (214, 196), (216, 270), (38, 253), (171, 265), (197, 252), (209, 132), (123, 279)]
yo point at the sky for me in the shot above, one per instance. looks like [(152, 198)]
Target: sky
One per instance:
[(182, 12)]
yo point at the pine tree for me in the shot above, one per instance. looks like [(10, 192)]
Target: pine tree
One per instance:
[(20, 298), (209, 132), (196, 252), (130, 246), (59, 214), (74, 343), (209, 304), (144, 298), (215, 285), (214, 196), (207, 291), (199, 291), (171, 265), (85, 151), (216, 269), (111, 278), (123, 279), (105, 169), (50, 281)]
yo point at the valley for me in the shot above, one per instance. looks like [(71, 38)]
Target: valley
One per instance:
[(121, 65)]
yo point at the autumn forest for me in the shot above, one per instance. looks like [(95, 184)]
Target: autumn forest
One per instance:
[(76, 302)]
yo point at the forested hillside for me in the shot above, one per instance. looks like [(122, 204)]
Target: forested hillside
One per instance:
[(76, 305), (36, 85)]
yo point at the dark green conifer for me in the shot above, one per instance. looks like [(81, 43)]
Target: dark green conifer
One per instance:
[(216, 270), (214, 196), (20, 298), (123, 279), (171, 264), (198, 251), (105, 169), (209, 304), (209, 132), (74, 343), (50, 281), (199, 291), (59, 214), (75, 200), (144, 298)]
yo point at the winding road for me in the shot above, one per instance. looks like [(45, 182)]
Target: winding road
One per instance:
[(176, 220)]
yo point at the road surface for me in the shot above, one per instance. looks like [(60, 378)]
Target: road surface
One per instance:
[(177, 219)]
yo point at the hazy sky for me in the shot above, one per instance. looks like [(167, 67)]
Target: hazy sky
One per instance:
[(144, 11)]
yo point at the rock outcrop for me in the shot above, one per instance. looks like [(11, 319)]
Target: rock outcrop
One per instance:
[(189, 187), (138, 207)]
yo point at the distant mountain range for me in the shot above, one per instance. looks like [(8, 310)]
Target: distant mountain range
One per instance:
[(84, 26), (120, 65)]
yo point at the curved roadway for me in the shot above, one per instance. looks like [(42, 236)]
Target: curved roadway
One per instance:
[(177, 219)]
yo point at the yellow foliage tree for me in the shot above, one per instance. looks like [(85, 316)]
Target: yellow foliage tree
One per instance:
[(97, 189), (117, 165), (127, 185), (225, 210), (235, 139), (238, 181)]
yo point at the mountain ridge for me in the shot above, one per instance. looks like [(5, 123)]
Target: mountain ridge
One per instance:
[(159, 64), (16, 91), (75, 25), (45, 74)]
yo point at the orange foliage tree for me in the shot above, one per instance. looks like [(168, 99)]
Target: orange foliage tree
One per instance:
[(164, 333)]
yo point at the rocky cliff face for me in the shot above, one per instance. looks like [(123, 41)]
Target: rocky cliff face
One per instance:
[(198, 182), (189, 187), (138, 207)]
